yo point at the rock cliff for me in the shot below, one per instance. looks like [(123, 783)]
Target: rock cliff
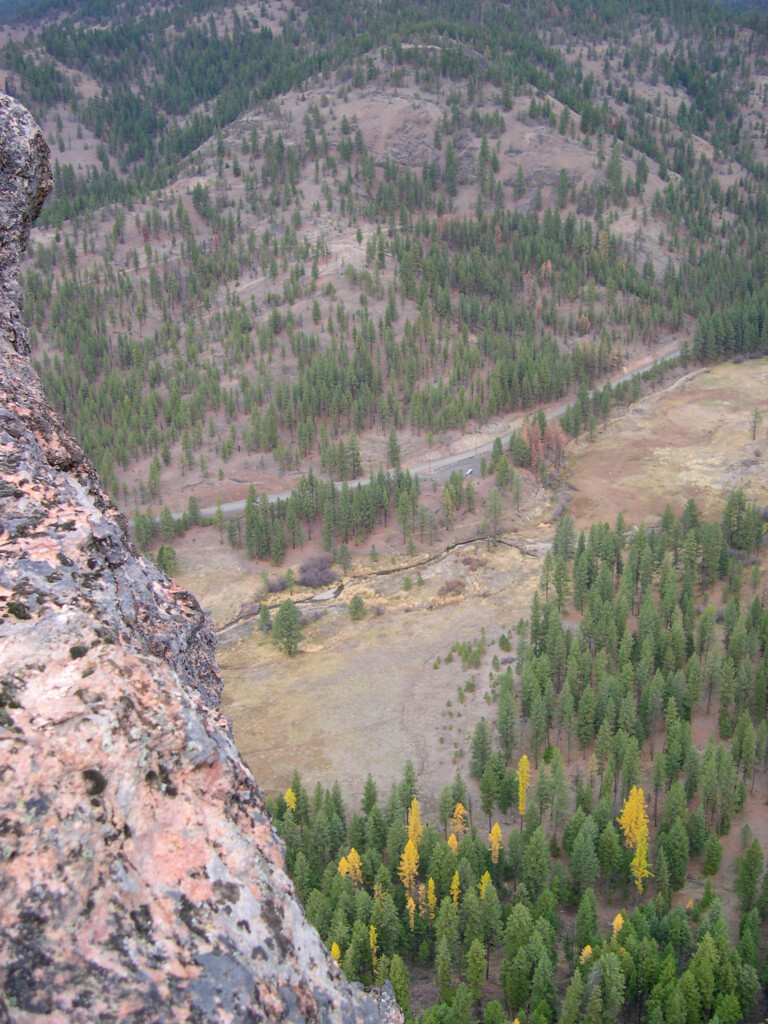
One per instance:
[(140, 877)]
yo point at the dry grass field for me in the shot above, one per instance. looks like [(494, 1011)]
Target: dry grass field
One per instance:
[(692, 441), (364, 696)]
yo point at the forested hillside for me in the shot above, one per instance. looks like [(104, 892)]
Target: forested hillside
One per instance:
[(274, 231)]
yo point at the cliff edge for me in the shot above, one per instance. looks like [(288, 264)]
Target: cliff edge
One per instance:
[(140, 877)]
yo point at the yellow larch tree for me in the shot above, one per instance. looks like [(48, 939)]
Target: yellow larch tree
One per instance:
[(410, 906), (639, 867), (618, 924), (634, 817), (422, 899), (374, 943), (336, 952), (431, 898), (455, 888), (415, 828), (343, 867), (355, 867), (483, 884), (633, 821), (453, 842), (409, 865), (523, 781), (290, 799), (458, 822), (495, 839)]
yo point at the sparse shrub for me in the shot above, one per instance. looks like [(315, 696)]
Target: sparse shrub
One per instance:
[(317, 572), (453, 588), (356, 608), (407, 583)]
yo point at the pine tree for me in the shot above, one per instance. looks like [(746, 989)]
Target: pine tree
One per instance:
[(585, 729), (583, 860), (713, 853), (506, 721), (609, 852), (370, 795), (570, 1010), (393, 450), (444, 969), (749, 868), (535, 862), (475, 969), (286, 628), (676, 848), (357, 961), (481, 749), (401, 984), (586, 919), (543, 986)]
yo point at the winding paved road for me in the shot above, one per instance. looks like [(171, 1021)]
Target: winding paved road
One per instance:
[(441, 468)]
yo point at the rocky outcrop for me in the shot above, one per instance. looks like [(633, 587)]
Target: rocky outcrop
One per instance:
[(140, 877)]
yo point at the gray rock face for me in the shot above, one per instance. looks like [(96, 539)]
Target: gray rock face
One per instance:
[(140, 876)]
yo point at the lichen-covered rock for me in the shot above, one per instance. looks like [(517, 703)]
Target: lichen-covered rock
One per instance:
[(140, 877)]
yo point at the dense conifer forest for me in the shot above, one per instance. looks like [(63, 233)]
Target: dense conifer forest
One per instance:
[(568, 913)]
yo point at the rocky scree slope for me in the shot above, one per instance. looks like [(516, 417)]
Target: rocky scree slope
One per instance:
[(140, 877)]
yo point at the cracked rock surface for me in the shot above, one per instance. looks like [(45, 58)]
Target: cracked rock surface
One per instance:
[(140, 877)]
